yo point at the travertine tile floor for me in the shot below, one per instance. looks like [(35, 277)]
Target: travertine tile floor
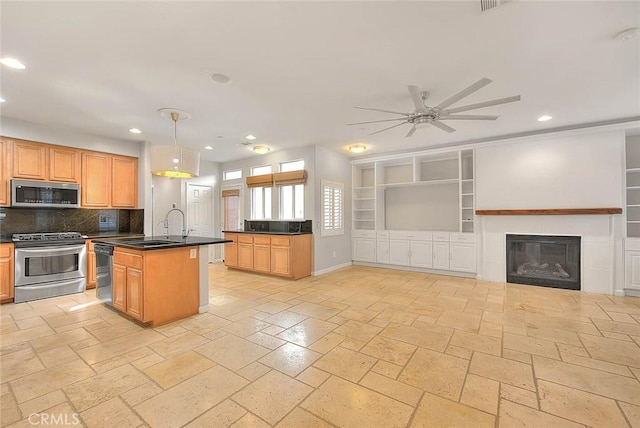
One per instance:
[(361, 347)]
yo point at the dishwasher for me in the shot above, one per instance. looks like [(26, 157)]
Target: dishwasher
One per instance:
[(104, 272)]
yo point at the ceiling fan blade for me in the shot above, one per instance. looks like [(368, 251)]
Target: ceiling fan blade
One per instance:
[(384, 111), (469, 117), (411, 131), (442, 126), (464, 93), (376, 121), (481, 105), (414, 91), (377, 132)]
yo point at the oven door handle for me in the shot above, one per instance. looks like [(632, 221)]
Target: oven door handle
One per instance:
[(52, 250)]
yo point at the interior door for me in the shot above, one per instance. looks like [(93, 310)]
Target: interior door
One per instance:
[(200, 212)]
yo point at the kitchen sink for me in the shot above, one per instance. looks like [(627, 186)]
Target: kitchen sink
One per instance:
[(150, 242)]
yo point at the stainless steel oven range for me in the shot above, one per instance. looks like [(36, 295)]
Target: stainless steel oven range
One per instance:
[(49, 265)]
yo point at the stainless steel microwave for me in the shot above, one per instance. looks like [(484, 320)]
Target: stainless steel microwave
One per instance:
[(41, 194)]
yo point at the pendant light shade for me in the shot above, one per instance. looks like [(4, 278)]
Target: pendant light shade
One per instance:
[(174, 161)]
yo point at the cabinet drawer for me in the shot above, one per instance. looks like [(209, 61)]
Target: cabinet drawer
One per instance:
[(441, 236), (464, 237), (127, 259), (417, 235), (245, 239), (262, 240), (280, 241), (383, 236), (232, 236), (6, 251), (363, 234)]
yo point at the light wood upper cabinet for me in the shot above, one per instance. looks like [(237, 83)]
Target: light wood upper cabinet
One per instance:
[(5, 197), (124, 188), (64, 164), (6, 273), (96, 180), (29, 160)]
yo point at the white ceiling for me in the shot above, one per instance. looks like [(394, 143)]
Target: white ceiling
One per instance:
[(298, 68)]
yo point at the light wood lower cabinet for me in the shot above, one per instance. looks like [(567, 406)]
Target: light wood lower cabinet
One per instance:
[(7, 269), (282, 255), (156, 286)]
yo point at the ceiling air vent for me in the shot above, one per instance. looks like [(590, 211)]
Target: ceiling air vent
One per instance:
[(486, 5)]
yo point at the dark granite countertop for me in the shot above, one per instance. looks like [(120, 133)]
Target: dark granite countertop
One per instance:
[(266, 233), (96, 235), (161, 242), (5, 240)]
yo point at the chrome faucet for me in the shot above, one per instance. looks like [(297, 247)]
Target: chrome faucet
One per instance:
[(185, 232)]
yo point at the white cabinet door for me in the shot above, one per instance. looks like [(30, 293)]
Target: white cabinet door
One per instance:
[(421, 254), (632, 269), (441, 255), (364, 250), (382, 251), (399, 252), (463, 257)]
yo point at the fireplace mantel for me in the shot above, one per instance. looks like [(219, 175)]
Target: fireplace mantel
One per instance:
[(552, 211)]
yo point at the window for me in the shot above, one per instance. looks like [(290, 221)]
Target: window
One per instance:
[(292, 196), (332, 208), (232, 175), (260, 196)]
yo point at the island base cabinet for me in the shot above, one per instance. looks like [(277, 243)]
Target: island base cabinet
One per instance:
[(156, 286), (282, 255), (280, 261)]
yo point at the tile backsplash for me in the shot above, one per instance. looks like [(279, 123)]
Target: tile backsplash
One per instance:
[(83, 220)]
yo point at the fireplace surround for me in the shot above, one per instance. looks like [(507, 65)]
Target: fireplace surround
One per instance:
[(545, 260)]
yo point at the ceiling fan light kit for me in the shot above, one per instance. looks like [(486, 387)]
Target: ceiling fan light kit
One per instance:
[(423, 116), (174, 161), (357, 148)]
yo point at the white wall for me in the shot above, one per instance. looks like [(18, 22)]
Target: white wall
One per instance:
[(68, 137), (423, 207), (332, 251), (581, 171)]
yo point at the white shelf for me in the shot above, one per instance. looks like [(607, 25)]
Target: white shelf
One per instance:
[(363, 199), (633, 205), (633, 187), (466, 208), (633, 221), (467, 221), (420, 183), (364, 188), (467, 180), (363, 219), (633, 169), (466, 194), (364, 209)]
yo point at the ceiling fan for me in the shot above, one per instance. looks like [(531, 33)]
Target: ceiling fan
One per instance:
[(425, 115)]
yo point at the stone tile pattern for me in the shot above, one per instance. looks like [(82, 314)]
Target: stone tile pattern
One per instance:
[(360, 346)]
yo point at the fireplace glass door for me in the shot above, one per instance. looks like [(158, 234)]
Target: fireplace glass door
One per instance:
[(546, 260)]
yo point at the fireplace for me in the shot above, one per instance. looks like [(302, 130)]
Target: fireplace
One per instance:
[(546, 260)]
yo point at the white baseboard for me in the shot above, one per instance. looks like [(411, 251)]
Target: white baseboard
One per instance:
[(415, 269), (331, 269), (203, 309), (633, 292)]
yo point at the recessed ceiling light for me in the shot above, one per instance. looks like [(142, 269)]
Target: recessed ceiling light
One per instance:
[(135, 131), (13, 63), (208, 147), (261, 149), (544, 118), (250, 137), (628, 34), (357, 148), (220, 78)]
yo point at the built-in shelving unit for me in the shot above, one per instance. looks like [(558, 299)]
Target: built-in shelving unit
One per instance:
[(633, 188), (422, 191), (364, 200)]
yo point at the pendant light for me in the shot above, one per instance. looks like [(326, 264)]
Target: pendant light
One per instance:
[(174, 161)]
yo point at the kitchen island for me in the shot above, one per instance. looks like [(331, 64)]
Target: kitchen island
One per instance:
[(160, 279)]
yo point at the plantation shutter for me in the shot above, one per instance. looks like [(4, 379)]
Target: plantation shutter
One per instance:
[(332, 208)]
